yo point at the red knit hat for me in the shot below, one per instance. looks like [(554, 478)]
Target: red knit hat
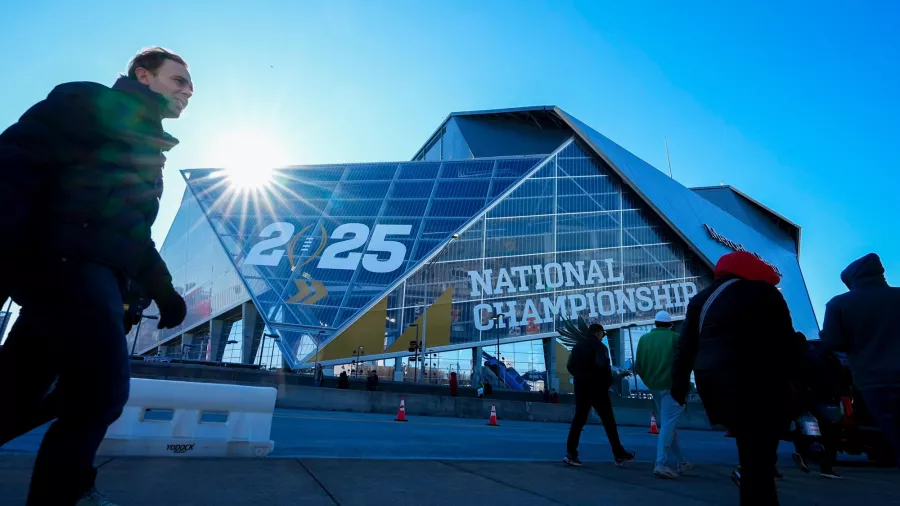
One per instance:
[(746, 266)]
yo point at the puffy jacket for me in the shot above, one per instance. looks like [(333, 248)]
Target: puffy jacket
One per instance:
[(863, 323), (747, 344), (81, 179)]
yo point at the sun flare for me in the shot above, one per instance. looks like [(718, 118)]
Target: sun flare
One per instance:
[(250, 157)]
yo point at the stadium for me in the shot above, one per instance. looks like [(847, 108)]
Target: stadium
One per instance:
[(462, 259)]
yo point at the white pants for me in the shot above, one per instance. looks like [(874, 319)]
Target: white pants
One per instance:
[(667, 446)]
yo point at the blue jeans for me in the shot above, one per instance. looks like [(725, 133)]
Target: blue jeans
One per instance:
[(669, 413), (884, 404), (70, 331)]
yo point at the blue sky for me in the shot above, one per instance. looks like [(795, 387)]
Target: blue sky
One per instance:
[(796, 106)]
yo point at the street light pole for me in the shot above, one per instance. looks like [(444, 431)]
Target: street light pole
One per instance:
[(318, 339), (499, 319), (633, 358), (416, 355), (429, 271), (359, 353), (275, 342), (263, 346)]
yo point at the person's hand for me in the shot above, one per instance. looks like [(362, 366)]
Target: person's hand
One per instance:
[(172, 310), (131, 319)]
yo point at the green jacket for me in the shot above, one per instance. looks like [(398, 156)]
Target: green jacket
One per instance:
[(655, 355)]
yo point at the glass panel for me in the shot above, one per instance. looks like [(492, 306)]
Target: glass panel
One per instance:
[(462, 189), (454, 145), (434, 152), (470, 169), (373, 171), (419, 170), (412, 189), (319, 268), (456, 208)]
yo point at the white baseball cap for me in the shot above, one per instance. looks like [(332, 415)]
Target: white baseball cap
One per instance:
[(663, 317)]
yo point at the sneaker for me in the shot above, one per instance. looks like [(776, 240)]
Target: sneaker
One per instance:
[(831, 475), (665, 472), (624, 460), (94, 498), (736, 477), (572, 461), (800, 462), (685, 467)]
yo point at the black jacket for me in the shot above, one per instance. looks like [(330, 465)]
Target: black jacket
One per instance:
[(864, 323), (819, 377), (590, 364), (747, 348), (81, 179)]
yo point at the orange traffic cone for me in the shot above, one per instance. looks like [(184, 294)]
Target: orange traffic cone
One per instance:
[(654, 429), (493, 421), (401, 415)]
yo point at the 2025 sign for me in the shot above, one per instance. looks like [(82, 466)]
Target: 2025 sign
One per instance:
[(342, 254)]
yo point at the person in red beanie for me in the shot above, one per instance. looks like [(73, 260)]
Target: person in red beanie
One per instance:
[(738, 339)]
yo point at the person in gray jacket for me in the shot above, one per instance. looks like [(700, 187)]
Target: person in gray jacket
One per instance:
[(863, 323)]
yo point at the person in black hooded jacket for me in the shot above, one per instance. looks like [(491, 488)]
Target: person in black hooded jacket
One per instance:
[(739, 340), (863, 323), (591, 368), (80, 183)]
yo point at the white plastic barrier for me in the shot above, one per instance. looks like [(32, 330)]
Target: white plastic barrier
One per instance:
[(186, 419)]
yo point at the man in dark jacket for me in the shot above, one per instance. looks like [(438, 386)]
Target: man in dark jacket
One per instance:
[(863, 323), (591, 368), (80, 183), (738, 339)]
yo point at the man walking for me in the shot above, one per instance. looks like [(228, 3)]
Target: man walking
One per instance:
[(863, 323), (655, 355), (80, 183), (590, 365)]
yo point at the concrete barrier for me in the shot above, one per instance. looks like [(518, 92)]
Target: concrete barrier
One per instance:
[(295, 392), (178, 418), (330, 399)]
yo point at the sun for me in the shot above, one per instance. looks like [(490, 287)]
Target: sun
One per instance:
[(249, 156)]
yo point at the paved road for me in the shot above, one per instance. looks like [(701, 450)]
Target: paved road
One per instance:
[(365, 459), (322, 434)]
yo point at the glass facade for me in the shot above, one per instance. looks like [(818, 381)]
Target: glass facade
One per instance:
[(710, 229), (569, 240), (201, 272), (455, 249), (532, 239)]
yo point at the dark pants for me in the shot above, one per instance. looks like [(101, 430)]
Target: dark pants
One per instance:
[(884, 404), (69, 331), (829, 440), (586, 397), (757, 450)]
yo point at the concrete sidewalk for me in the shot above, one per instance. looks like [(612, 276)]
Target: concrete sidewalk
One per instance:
[(176, 481)]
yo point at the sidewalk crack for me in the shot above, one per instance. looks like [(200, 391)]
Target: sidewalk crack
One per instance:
[(495, 480), (322, 486)]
